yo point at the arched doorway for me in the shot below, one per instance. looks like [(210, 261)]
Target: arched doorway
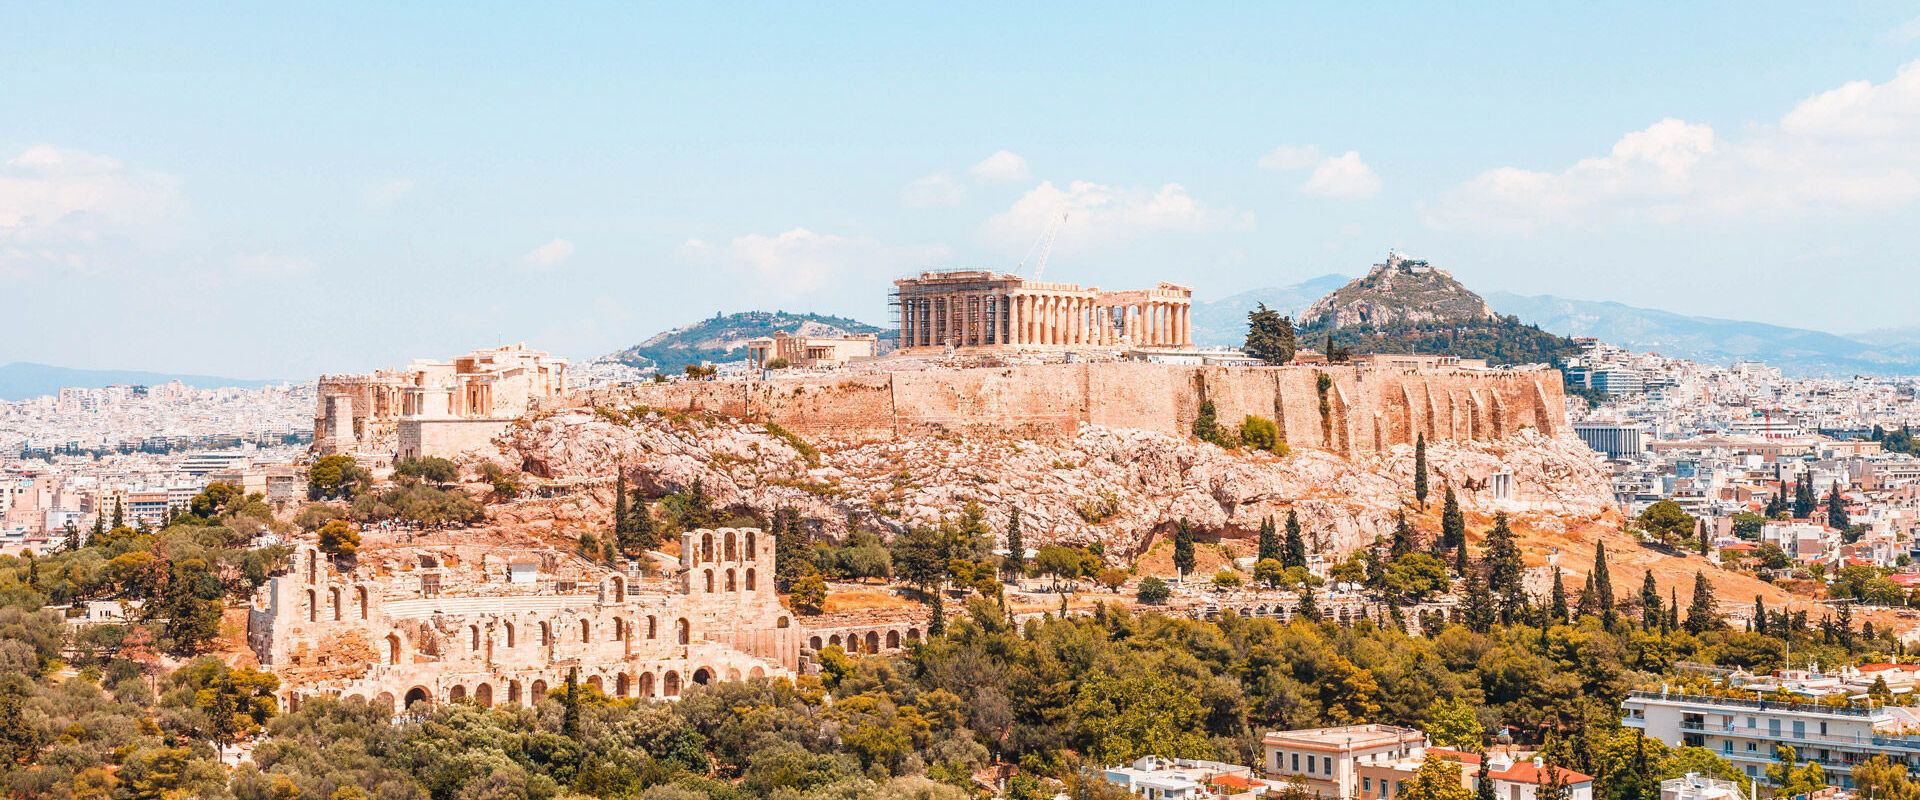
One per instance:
[(513, 691), (483, 694), (703, 676), (646, 684), (671, 685), (457, 693), (384, 700), (873, 642), (686, 631), (538, 692), (393, 648), (418, 694), (893, 640), (621, 685), (594, 681)]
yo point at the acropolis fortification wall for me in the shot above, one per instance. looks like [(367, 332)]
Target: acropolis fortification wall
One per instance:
[(1345, 408)]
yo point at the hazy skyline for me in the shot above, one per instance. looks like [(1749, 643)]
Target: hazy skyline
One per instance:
[(264, 193)]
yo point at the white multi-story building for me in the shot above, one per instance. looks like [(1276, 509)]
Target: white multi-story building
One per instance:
[(1746, 732)]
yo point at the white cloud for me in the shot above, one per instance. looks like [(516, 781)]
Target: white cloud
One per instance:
[(1099, 215), (1909, 32), (799, 260), (1343, 176), (549, 255), (70, 208), (1854, 149), (1001, 166), (938, 189)]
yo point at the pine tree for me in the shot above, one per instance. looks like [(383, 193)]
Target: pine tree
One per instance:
[(1479, 608), (1649, 602), (1700, 615), (1558, 611), (1603, 584), (1403, 540), (1420, 470), (790, 558), (1269, 542), (73, 537), (1183, 548), (643, 533), (1308, 609), (1803, 498), (1453, 524), (1504, 567), (1294, 552), (1016, 564)]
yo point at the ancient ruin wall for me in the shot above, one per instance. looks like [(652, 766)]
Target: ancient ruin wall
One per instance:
[(1362, 409)]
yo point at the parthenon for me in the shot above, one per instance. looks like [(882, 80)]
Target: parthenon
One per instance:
[(977, 308)]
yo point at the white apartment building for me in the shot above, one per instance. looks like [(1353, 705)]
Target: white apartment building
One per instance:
[(1326, 759), (1746, 732)]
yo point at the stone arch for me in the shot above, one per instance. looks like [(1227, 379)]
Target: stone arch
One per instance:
[(333, 599), (873, 642), (733, 674), (473, 638), (703, 676), (893, 639), (756, 672), (313, 606), (507, 627), (619, 587), (483, 694), (913, 634), (622, 685), (732, 548), (546, 634), (361, 597), (385, 700), (595, 682), (653, 627), (513, 692), (457, 693), (394, 648), (418, 694), (537, 691), (782, 622), (752, 552), (814, 643), (670, 685), (706, 547), (834, 641), (619, 629), (313, 566), (709, 574), (586, 631), (732, 585), (646, 684), (686, 631), (752, 584)]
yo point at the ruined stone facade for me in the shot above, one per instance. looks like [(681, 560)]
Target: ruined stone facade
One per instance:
[(809, 351), (434, 408), (440, 625), (1346, 408), (977, 308)]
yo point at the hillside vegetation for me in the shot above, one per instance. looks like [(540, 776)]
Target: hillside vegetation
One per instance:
[(723, 337)]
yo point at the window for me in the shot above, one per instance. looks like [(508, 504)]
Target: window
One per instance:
[(1752, 747), (1750, 722), (1799, 728), (1309, 765), (1326, 764), (1727, 747), (1296, 762), (1823, 728), (1773, 727), (1366, 784)]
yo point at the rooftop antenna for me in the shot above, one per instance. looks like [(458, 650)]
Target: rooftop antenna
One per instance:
[(1045, 246)]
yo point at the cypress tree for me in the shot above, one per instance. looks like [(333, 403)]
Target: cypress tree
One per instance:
[(73, 537), (1700, 616), (1585, 607), (1704, 544), (937, 613), (1504, 567), (1308, 610), (1558, 611), (1673, 611), (1420, 470), (1453, 524), (643, 533), (1759, 616), (1837, 512), (1016, 546), (1294, 551), (1482, 782), (622, 526), (1649, 602), (1183, 548), (1603, 583), (570, 704), (1269, 542), (1803, 499), (119, 521), (1462, 563), (1479, 609), (99, 527), (790, 560)]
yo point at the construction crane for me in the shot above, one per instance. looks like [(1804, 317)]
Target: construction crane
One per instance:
[(1045, 246)]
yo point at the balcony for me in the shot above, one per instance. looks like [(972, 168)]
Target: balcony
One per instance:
[(1875, 743)]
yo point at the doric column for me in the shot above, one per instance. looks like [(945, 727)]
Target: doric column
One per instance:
[(1165, 330), (1079, 321), (1186, 325)]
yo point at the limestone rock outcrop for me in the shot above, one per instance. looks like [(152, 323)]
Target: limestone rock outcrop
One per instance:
[(1122, 487)]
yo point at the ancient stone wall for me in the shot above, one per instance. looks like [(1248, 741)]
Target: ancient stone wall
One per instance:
[(1345, 408)]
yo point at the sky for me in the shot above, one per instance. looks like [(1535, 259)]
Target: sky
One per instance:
[(260, 191)]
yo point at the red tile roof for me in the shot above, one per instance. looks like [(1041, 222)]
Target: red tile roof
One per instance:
[(1526, 772)]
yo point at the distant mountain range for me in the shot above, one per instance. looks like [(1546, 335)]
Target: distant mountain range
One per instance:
[(22, 380), (723, 337)]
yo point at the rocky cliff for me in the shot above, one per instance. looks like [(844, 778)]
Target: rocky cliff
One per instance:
[(1123, 487)]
